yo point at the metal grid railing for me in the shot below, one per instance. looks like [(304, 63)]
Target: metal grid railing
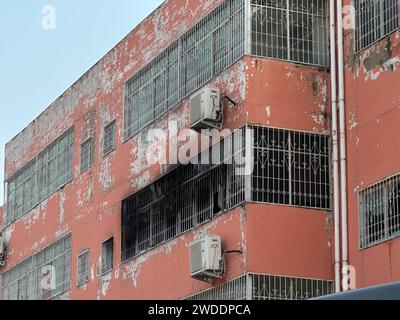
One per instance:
[(266, 287), (374, 20), (213, 44), (294, 30), (25, 281), (379, 212), (47, 172), (291, 168)]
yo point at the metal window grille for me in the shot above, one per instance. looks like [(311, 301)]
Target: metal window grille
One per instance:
[(184, 198), (109, 138), (25, 281), (379, 212), (87, 154), (267, 287), (294, 30), (375, 19), (83, 268), (210, 46), (46, 173), (107, 256), (291, 168)]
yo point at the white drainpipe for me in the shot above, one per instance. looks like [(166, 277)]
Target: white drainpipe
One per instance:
[(343, 149), (335, 156)]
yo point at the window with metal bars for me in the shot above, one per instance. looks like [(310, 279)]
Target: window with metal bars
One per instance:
[(107, 256), (267, 287), (109, 138), (379, 212), (291, 168), (374, 20), (186, 197), (83, 268), (213, 44), (25, 280), (294, 30), (41, 177), (87, 154)]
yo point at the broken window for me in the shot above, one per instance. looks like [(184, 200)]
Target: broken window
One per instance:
[(87, 154), (107, 256), (374, 20), (83, 268), (109, 138), (380, 212), (47, 172), (34, 278), (291, 30)]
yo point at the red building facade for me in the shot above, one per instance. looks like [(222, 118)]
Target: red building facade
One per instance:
[(88, 217)]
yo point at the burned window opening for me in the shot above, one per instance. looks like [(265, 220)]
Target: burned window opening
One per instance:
[(291, 168)]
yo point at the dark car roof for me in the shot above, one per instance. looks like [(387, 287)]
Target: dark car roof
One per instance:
[(383, 292)]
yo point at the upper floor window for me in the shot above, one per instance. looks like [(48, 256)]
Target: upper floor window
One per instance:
[(83, 268), (47, 172), (213, 44), (109, 138), (294, 30), (87, 154), (379, 212), (107, 256), (375, 19)]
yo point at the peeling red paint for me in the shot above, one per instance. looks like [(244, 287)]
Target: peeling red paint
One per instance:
[(373, 115), (90, 206)]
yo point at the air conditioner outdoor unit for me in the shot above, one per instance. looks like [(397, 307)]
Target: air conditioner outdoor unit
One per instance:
[(205, 258), (206, 109)]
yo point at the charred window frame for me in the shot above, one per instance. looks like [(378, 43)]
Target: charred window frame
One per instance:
[(24, 281), (379, 212), (41, 177), (374, 20), (186, 197), (109, 138), (87, 154)]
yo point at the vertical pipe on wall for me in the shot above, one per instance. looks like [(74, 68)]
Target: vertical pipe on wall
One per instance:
[(335, 146), (343, 149)]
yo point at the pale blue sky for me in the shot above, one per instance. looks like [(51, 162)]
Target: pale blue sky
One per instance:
[(37, 65)]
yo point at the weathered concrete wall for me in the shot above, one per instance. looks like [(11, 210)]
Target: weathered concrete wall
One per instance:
[(90, 206), (372, 118)]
